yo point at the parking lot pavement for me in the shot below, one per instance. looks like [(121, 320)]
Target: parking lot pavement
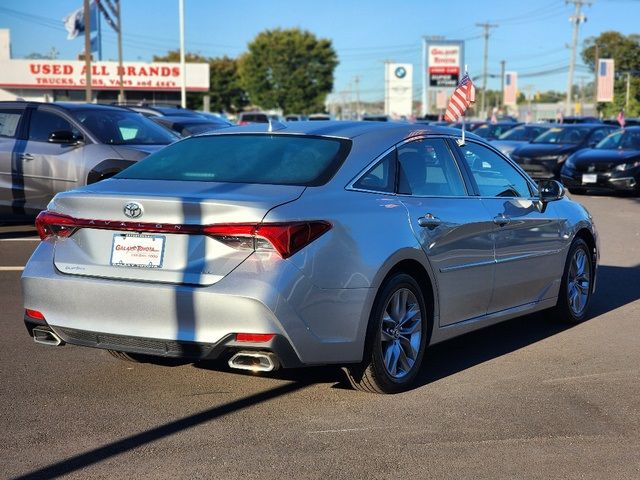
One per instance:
[(525, 399)]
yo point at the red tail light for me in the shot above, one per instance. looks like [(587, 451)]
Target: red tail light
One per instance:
[(36, 314), (254, 337), (285, 238), (48, 224)]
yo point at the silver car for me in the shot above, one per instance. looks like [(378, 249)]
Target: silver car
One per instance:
[(46, 148), (351, 243)]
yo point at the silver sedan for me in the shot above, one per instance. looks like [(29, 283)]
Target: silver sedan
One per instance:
[(351, 243)]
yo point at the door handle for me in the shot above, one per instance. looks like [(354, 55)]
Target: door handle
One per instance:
[(27, 156), (429, 221), (501, 220)]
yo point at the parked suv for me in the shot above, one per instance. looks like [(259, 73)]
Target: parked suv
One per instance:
[(46, 148)]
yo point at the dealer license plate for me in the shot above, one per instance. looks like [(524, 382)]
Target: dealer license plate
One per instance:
[(133, 250), (590, 178)]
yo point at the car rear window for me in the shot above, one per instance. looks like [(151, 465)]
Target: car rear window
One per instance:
[(253, 158), (254, 117)]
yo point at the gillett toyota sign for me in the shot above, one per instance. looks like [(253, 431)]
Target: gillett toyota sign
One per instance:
[(444, 63), (69, 75)]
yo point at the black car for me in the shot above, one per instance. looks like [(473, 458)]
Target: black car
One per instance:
[(190, 125), (492, 131), (614, 164), (470, 125), (544, 156)]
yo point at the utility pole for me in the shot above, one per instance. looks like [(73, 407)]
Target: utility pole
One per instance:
[(576, 20), (120, 67), (487, 27), (501, 102), (357, 81), (87, 52), (183, 72), (424, 76)]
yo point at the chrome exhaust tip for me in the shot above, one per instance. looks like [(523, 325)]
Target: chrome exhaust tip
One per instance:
[(254, 361), (46, 337)]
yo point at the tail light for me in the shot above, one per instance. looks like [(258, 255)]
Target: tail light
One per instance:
[(284, 238), (254, 337), (54, 224)]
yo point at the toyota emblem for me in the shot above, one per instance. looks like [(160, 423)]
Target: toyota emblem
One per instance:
[(133, 210)]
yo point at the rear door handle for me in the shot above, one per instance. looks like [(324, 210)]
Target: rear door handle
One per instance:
[(429, 221), (501, 220), (27, 156)]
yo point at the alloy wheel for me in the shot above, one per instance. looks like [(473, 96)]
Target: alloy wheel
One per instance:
[(579, 282)]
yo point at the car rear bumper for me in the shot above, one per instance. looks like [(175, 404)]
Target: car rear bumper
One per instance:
[(320, 325)]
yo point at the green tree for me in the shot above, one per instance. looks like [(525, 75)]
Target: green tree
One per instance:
[(289, 69), (625, 50), (226, 92)]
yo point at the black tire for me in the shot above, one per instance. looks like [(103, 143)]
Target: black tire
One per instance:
[(577, 191), (127, 357), (563, 310), (372, 375)]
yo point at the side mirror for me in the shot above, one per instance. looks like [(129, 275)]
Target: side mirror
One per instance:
[(64, 137), (550, 190)]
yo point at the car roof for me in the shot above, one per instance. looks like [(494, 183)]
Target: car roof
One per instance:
[(68, 105)]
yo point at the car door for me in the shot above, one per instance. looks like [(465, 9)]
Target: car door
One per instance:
[(11, 150), (527, 236), (48, 167), (454, 228)]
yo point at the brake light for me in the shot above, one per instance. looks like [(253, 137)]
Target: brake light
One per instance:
[(54, 224), (254, 337), (36, 314), (285, 238)]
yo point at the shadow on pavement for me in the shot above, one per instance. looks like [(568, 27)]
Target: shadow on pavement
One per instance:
[(113, 449)]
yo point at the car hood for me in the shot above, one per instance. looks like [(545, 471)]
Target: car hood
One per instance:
[(135, 152), (599, 155), (533, 150)]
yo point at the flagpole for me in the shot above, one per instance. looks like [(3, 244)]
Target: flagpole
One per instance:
[(464, 114), (183, 73), (87, 52)]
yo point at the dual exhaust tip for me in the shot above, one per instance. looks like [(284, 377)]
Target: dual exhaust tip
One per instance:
[(254, 361)]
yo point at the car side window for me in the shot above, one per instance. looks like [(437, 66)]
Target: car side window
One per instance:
[(426, 167), (598, 135), (9, 120), (494, 176), (381, 177), (43, 123)]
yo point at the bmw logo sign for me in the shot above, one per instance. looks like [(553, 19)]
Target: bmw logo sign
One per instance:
[(401, 72), (133, 210)]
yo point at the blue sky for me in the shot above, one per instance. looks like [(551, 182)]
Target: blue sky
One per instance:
[(531, 37)]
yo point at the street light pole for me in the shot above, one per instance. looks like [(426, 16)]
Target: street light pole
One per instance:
[(87, 52)]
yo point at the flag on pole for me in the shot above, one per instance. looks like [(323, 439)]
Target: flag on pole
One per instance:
[(620, 118), (559, 117), (74, 22), (510, 88), (494, 115), (463, 96), (605, 80)]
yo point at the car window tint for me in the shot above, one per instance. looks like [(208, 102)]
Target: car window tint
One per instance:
[(9, 120), (494, 176), (426, 167), (44, 123), (381, 177)]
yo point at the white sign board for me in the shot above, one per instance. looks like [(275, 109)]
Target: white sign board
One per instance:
[(70, 75), (444, 63), (398, 92)]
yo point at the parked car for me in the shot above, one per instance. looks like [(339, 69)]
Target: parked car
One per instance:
[(187, 126), (314, 117), (245, 118), (349, 243), (46, 148), (628, 122), (295, 118), (574, 120), (613, 165), (491, 131), (470, 125), (376, 118), (545, 155), (517, 136)]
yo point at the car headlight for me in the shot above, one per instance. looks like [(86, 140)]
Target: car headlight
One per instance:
[(627, 166), (553, 158)]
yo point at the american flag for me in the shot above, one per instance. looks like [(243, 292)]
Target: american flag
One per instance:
[(463, 96), (620, 118), (605, 80)]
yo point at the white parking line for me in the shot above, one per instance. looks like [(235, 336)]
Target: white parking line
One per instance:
[(11, 269)]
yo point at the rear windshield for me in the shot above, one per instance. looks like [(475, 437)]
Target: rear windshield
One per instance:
[(254, 117), (268, 159)]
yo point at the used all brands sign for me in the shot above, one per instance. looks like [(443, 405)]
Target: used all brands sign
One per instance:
[(69, 75)]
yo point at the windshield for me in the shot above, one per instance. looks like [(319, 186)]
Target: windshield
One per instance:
[(268, 159), (623, 140), (120, 127), (518, 133), (563, 135)]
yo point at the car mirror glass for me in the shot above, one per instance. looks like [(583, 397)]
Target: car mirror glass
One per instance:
[(550, 190)]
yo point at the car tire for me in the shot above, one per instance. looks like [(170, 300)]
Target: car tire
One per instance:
[(576, 286), (127, 357), (396, 340), (577, 191)]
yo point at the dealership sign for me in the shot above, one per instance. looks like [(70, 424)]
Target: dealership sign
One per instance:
[(70, 75), (398, 92), (444, 63)]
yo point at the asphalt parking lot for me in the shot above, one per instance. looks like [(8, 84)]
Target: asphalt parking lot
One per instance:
[(525, 399)]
